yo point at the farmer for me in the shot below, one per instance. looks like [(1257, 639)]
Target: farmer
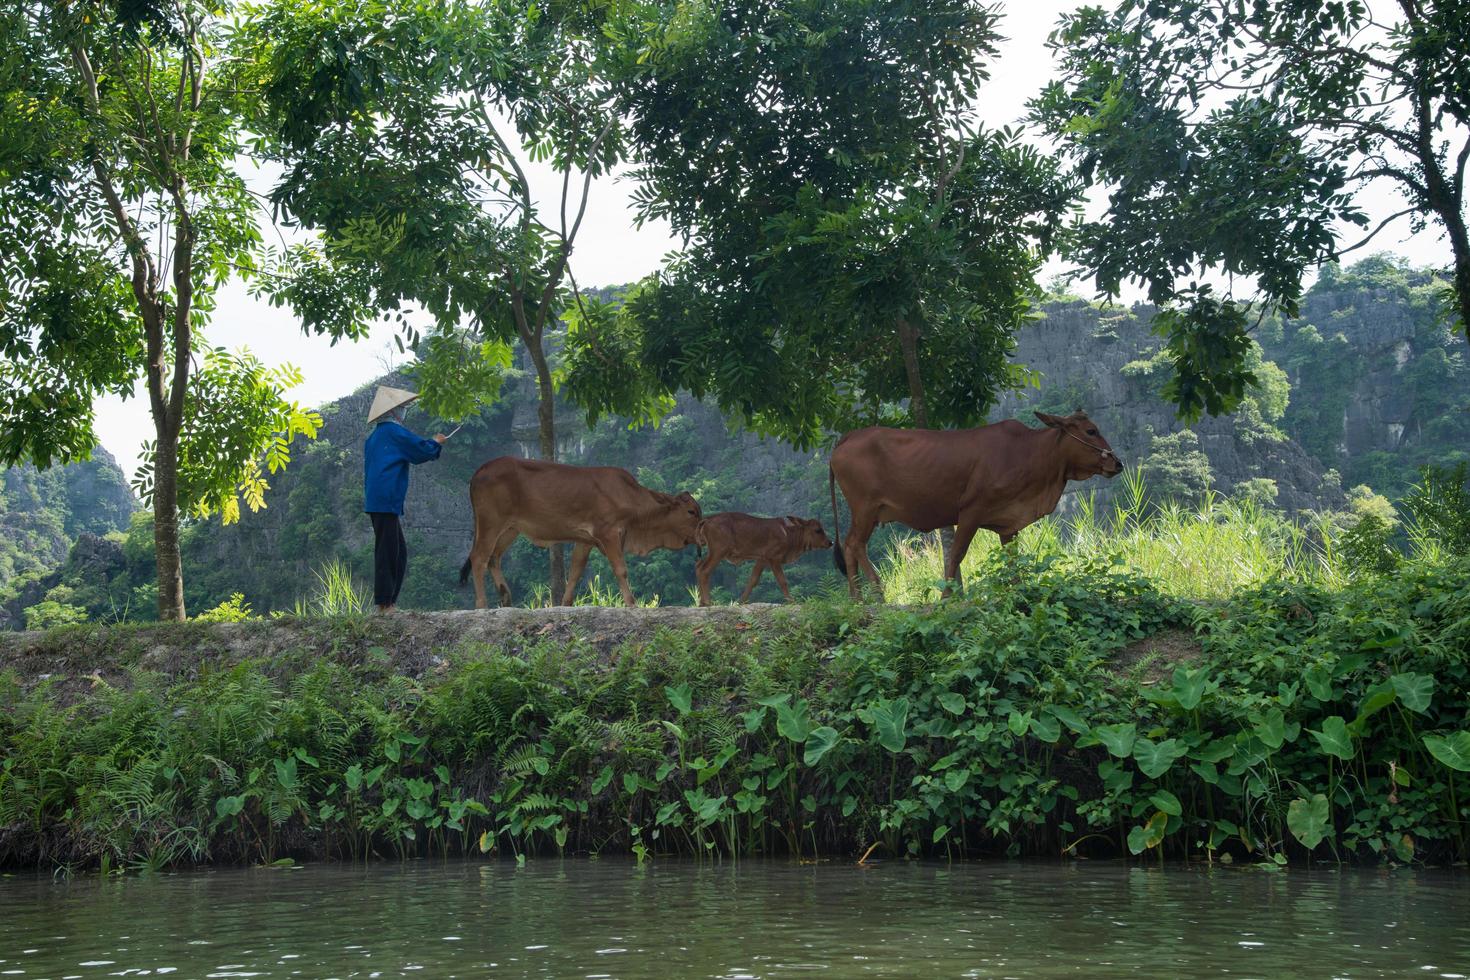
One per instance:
[(386, 456)]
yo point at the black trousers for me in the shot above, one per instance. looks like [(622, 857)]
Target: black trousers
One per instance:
[(390, 558)]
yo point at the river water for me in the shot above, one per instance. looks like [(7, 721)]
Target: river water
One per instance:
[(610, 918)]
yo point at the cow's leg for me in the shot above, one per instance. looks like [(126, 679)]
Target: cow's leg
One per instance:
[(484, 549), (856, 547), (780, 574), (580, 552), (964, 534), (702, 572), (502, 545), (755, 576), (611, 545)]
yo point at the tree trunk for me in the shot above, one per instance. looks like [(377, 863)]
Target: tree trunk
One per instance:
[(908, 343), (546, 419), (169, 561)]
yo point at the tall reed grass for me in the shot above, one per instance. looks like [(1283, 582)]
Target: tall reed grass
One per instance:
[(337, 593), (1205, 551)]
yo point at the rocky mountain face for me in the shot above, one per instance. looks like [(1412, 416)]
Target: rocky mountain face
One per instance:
[(42, 512)]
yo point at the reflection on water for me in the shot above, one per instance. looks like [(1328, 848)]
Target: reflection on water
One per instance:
[(609, 918)]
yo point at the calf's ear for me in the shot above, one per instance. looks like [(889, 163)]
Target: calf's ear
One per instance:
[(1052, 420)]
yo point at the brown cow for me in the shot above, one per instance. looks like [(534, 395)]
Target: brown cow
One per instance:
[(770, 541), (1000, 477), (589, 506)]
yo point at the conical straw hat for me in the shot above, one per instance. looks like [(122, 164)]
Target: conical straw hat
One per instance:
[(388, 399)]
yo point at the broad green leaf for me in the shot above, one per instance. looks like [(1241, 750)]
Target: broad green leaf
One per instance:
[(1155, 759), (890, 718), (1416, 691), (1334, 738), (681, 697), (1118, 739), (1046, 728), (794, 721), (1018, 722), (1453, 749), (1068, 717), (604, 777), (1167, 802), (955, 779), (1377, 698), (1307, 819), (1271, 729), (1189, 685), (819, 742), (953, 703), (1319, 683)]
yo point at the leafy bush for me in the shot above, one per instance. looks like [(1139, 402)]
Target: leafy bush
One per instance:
[(233, 610), (1290, 721)]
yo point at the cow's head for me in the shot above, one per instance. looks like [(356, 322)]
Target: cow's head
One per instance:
[(678, 522), (1083, 447), (808, 532)]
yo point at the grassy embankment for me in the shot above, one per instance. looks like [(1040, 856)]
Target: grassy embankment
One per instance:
[(1084, 702)]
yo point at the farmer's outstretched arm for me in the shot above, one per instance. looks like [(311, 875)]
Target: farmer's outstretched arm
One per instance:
[(417, 449)]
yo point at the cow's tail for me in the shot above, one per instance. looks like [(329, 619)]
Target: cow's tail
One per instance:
[(837, 558), (464, 570)]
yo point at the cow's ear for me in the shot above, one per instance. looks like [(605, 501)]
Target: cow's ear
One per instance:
[(1052, 420)]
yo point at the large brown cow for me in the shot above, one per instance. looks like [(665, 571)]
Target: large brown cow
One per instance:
[(769, 541), (589, 506), (999, 477)]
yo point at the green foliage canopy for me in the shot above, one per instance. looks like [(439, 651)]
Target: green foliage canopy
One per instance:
[(1231, 139), (852, 238)]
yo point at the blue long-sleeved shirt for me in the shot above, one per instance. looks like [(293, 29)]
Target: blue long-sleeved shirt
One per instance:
[(386, 456)]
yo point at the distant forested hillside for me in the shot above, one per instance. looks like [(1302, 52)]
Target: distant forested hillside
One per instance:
[(1368, 385)]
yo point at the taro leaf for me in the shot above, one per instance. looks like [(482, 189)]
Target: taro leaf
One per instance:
[(794, 721), (1334, 738), (955, 779), (773, 701), (1319, 683), (818, 743), (1189, 686), (604, 777), (1068, 717), (1117, 738), (1045, 728), (1378, 698), (1403, 849), (1150, 834), (753, 719), (891, 718), (1167, 802), (1307, 820), (1018, 722), (1155, 759), (1414, 690), (939, 833), (953, 703), (1453, 749), (228, 806), (1272, 729), (680, 697)]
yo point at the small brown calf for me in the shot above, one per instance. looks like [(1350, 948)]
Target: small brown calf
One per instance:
[(769, 541)]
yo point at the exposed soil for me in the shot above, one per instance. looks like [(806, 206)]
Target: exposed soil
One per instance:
[(1153, 658)]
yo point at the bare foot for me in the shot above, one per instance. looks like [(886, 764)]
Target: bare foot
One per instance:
[(383, 610)]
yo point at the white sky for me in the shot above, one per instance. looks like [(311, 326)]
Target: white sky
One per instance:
[(611, 251)]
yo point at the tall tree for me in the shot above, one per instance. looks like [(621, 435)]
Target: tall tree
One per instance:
[(404, 129), (853, 239), (121, 213), (1231, 140)]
